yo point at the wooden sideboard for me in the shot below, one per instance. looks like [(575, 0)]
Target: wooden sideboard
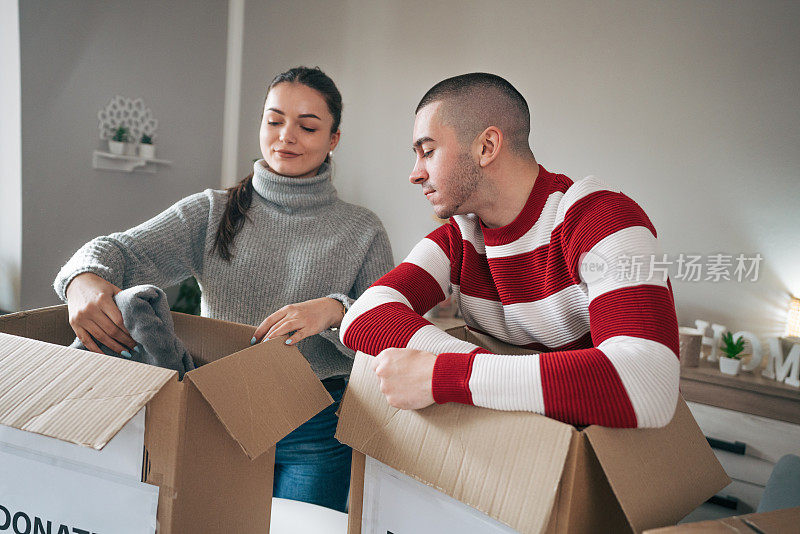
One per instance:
[(747, 393), (752, 421)]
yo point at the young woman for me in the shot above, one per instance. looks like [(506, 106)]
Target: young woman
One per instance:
[(280, 236)]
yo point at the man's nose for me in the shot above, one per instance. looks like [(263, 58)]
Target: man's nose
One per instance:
[(418, 175)]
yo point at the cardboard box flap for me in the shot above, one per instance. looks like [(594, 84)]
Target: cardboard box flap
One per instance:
[(211, 339), (478, 456), (44, 324), (775, 521), (260, 394), (74, 395), (783, 520), (658, 474)]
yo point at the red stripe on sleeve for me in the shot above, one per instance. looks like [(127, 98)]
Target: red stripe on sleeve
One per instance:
[(389, 325), (414, 283), (581, 387), (644, 311), (451, 374), (595, 217)]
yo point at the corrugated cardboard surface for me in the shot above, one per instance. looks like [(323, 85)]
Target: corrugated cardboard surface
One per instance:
[(613, 480), (480, 457), (261, 393), (655, 473), (45, 324), (356, 503), (211, 339), (776, 522), (163, 431), (220, 490), (200, 434), (585, 502), (73, 395)]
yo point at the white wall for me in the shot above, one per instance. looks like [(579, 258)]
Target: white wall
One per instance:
[(10, 165), (691, 108), (75, 57)]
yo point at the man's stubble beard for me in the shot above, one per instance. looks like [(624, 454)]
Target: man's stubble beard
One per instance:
[(465, 178)]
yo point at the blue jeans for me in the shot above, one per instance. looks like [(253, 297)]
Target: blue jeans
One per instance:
[(311, 465)]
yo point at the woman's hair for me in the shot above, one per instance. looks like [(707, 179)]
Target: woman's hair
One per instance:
[(318, 80), (240, 196)]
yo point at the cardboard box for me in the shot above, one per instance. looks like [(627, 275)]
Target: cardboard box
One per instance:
[(524, 470), (208, 441), (775, 522)]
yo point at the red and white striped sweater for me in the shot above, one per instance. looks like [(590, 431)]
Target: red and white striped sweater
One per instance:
[(610, 343)]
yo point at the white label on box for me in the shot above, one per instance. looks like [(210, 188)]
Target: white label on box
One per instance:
[(39, 494), (395, 503), (122, 455)]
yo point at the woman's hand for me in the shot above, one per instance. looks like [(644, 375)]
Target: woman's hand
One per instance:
[(304, 319), (94, 314)]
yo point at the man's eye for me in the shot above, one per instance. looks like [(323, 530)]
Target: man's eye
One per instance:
[(427, 154)]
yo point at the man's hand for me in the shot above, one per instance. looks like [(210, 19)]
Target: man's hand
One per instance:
[(406, 377)]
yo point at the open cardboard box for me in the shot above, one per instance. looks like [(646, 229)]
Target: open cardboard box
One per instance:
[(775, 522), (524, 470), (209, 440)]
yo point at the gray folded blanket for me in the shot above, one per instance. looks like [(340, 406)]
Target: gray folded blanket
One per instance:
[(146, 315)]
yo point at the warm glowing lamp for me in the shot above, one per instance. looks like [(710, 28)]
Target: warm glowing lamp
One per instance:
[(793, 320)]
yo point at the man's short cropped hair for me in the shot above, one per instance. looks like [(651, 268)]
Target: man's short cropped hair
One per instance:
[(473, 102)]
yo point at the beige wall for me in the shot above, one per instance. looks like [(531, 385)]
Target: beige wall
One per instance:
[(688, 107), (10, 164), (75, 57)]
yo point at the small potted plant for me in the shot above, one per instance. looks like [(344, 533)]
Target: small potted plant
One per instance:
[(146, 149), (116, 145), (730, 362)]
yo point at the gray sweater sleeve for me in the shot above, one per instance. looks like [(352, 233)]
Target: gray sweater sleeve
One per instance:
[(377, 262), (162, 251)]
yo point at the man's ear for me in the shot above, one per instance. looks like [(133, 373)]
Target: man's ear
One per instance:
[(488, 145)]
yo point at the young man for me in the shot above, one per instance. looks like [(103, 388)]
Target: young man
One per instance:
[(537, 260)]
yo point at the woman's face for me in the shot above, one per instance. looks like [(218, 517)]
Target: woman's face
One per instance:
[(296, 130)]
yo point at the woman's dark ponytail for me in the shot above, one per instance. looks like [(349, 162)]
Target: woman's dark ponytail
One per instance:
[(241, 195)]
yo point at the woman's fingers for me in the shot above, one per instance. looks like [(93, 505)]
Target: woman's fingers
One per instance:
[(267, 324), (117, 328), (304, 318), (300, 335), (87, 340), (100, 335), (112, 330), (284, 327)]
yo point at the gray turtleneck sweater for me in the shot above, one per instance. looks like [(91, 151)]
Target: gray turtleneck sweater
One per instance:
[(299, 242)]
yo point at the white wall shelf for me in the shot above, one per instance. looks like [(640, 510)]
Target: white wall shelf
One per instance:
[(106, 161)]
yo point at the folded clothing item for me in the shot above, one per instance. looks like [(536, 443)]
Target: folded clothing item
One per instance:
[(146, 315)]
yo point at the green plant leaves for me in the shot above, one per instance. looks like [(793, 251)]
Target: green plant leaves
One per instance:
[(732, 348)]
